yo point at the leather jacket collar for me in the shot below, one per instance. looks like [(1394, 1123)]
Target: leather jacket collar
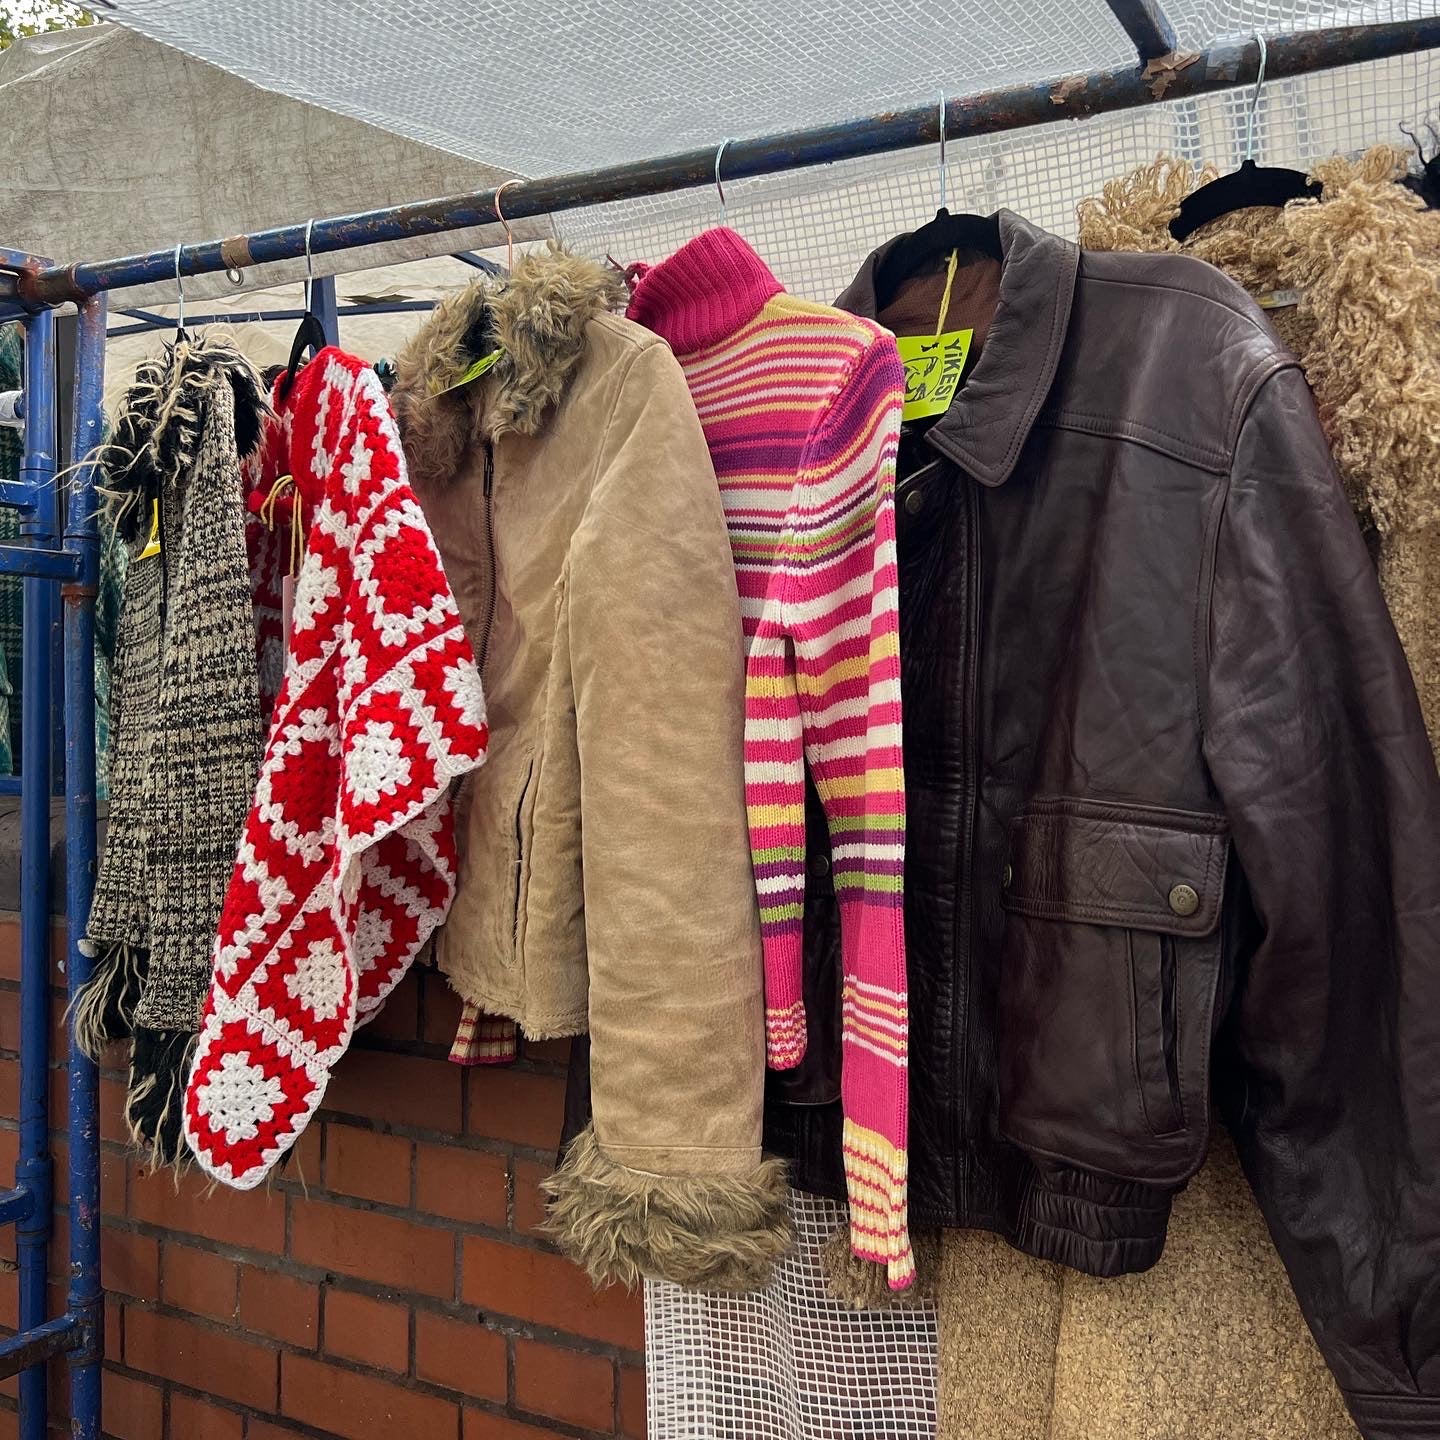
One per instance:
[(992, 413)]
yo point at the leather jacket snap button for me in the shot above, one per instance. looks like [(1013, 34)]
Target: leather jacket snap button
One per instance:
[(819, 865), (915, 501), (1006, 875), (1184, 900)]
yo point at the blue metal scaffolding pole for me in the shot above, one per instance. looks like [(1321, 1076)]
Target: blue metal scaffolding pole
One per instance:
[(33, 1171), (29, 1205), (86, 1298)]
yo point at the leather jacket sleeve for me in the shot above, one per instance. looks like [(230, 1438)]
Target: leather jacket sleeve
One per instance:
[(1331, 1046)]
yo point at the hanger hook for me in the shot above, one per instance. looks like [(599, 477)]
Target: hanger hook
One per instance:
[(500, 216), (944, 188), (309, 266), (1255, 99), (180, 296), (719, 188)]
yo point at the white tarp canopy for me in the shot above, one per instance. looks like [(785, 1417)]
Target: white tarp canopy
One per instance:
[(117, 144)]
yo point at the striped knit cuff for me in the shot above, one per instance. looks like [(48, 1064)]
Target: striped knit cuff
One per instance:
[(784, 1000), (876, 1180), (483, 1039)]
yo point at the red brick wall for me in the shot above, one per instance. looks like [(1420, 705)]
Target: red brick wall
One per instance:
[(398, 1291)]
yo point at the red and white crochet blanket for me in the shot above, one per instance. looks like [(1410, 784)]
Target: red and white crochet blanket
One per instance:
[(347, 864)]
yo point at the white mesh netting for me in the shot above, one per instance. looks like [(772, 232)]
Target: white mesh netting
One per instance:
[(814, 227), (539, 86), (788, 1363)]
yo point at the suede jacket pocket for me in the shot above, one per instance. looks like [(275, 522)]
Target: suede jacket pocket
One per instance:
[(1110, 970)]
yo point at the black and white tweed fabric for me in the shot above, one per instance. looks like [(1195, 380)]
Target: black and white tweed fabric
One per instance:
[(190, 731)]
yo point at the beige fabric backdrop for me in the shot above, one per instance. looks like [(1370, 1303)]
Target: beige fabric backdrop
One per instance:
[(116, 144)]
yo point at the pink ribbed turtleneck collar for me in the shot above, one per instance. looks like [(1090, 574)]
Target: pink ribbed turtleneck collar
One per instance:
[(704, 292)]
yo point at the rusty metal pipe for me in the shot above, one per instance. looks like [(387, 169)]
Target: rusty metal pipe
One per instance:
[(1222, 66)]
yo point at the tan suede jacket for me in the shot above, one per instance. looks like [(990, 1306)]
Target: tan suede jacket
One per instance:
[(605, 881)]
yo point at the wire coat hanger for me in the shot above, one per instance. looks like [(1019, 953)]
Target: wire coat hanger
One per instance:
[(179, 299), (1249, 186), (311, 333), (509, 236), (719, 188), (944, 179)]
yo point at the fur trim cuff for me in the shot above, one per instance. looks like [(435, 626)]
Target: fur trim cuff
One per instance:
[(707, 1232)]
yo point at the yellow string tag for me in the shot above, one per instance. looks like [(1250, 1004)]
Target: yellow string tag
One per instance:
[(152, 545), (934, 363), (475, 371)]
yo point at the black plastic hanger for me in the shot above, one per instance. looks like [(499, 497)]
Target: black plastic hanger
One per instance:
[(1250, 186), (310, 336), (913, 253), (311, 333), (1426, 181)]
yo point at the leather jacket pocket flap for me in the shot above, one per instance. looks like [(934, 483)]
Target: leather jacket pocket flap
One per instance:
[(1136, 866)]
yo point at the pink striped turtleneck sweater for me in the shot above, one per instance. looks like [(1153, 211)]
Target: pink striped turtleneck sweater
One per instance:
[(801, 408)]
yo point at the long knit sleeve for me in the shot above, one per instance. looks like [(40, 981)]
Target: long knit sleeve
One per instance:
[(841, 621), (775, 803)]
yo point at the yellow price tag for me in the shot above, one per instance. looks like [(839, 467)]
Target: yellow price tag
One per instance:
[(475, 371), (933, 367), (152, 545)]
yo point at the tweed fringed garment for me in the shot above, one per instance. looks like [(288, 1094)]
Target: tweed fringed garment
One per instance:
[(189, 727), (801, 408), (347, 862)]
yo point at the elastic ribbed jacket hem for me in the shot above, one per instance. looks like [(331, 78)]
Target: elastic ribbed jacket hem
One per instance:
[(1396, 1417)]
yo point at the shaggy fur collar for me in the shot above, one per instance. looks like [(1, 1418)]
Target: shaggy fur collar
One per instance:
[(537, 318), (161, 421)]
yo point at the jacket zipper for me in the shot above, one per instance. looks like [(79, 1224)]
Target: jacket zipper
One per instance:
[(490, 556), (965, 917)]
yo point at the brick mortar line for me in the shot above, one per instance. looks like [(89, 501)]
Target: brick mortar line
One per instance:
[(442, 1139)]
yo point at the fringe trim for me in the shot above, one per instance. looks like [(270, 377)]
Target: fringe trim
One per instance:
[(103, 1009), (159, 424), (155, 1100), (707, 1232), (860, 1284)]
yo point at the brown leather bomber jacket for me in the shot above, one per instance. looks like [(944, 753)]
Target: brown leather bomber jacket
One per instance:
[(1174, 822)]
